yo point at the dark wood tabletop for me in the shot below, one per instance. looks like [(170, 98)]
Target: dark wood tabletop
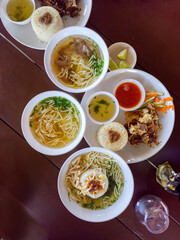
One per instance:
[(30, 207)]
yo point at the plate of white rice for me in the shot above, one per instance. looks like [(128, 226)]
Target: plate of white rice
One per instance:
[(26, 36)]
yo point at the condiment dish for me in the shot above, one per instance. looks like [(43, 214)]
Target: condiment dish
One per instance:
[(25, 124), (136, 103), (99, 215), (4, 11), (114, 102), (80, 32), (116, 48)]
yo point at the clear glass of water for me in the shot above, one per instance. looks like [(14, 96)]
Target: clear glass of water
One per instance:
[(152, 212)]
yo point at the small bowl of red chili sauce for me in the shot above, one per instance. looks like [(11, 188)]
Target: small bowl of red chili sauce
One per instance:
[(130, 94)]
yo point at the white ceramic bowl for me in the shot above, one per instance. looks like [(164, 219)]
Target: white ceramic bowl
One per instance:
[(27, 131), (116, 48), (4, 6), (109, 95), (100, 215), (75, 31), (143, 93)]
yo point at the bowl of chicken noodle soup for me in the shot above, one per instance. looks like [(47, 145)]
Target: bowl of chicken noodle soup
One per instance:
[(76, 59), (95, 184), (53, 123)]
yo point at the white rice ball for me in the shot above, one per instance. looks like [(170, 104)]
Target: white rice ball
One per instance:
[(46, 22), (112, 136)]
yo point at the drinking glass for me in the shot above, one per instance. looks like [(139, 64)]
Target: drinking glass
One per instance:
[(152, 212)]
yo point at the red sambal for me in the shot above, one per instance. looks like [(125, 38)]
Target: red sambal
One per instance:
[(128, 95)]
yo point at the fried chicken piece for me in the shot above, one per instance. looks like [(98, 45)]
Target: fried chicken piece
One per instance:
[(143, 126), (64, 7)]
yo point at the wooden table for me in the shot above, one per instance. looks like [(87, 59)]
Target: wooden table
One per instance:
[(30, 207)]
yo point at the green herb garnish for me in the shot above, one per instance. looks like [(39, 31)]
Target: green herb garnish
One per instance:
[(102, 101), (97, 64), (96, 108), (89, 205), (34, 111), (61, 103)]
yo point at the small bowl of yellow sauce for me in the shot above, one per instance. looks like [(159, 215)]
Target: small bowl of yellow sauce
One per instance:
[(18, 11), (102, 107)]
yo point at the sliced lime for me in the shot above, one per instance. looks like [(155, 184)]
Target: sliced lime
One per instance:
[(112, 65), (124, 64), (123, 54)]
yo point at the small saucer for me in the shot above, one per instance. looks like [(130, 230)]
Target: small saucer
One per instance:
[(116, 48)]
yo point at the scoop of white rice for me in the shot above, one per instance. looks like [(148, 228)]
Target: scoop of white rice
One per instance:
[(46, 22), (104, 138)]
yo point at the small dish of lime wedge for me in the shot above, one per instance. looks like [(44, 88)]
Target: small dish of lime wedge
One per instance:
[(122, 55)]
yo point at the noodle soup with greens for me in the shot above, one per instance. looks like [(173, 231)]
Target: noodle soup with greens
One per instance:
[(77, 61), (94, 180), (55, 122)]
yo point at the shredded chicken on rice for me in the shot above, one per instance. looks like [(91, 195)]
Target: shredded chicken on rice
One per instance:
[(143, 126)]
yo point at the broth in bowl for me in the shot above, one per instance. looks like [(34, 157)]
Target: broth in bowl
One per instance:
[(55, 122), (77, 61), (19, 10)]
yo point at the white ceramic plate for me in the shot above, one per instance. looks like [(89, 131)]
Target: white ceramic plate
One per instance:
[(116, 48), (128, 153), (26, 36), (99, 215)]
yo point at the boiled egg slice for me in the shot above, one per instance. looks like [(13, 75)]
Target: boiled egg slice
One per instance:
[(94, 183)]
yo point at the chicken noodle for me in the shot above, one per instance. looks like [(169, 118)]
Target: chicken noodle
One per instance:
[(102, 163), (143, 126), (76, 62), (55, 122), (64, 7)]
